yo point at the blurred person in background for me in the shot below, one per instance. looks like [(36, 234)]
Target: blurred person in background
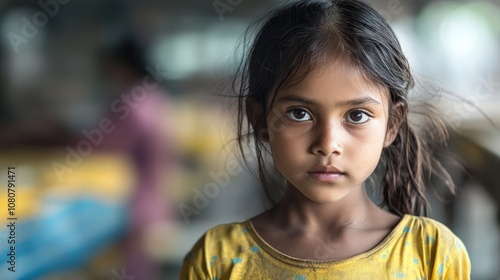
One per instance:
[(139, 113)]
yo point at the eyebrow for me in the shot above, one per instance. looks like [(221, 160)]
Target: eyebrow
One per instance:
[(348, 103)]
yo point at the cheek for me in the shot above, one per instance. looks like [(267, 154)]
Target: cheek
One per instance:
[(365, 143), (371, 135), (288, 147), (278, 126), (280, 152), (284, 142), (366, 151)]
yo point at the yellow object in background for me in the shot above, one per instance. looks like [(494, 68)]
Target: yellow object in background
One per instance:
[(107, 176)]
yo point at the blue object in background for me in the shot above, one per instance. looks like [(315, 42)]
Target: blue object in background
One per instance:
[(67, 233)]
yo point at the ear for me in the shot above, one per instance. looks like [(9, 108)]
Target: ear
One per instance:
[(255, 115), (395, 121)]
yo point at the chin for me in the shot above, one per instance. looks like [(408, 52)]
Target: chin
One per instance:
[(328, 196)]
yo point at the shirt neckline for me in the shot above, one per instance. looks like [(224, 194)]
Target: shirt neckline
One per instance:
[(394, 233)]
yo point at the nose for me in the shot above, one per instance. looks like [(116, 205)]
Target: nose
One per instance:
[(327, 140)]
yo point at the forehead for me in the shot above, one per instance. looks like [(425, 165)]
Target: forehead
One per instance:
[(336, 81)]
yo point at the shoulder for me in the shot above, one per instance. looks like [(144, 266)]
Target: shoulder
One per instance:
[(437, 245), (226, 234), (424, 223), (221, 236), (217, 242), (430, 230)]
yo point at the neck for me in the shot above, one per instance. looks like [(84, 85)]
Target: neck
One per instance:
[(298, 213)]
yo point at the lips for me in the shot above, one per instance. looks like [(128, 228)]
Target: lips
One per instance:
[(326, 174), (326, 169)]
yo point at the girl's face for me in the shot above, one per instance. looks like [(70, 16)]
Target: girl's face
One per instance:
[(327, 132)]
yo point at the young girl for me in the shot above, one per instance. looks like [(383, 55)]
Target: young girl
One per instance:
[(324, 91)]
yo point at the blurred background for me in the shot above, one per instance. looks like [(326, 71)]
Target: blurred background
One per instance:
[(112, 121)]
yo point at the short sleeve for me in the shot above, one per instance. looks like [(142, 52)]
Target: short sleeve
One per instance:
[(443, 253), (459, 264), (451, 260), (194, 265)]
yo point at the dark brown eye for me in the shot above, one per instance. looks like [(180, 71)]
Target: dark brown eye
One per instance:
[(357, 117), (299, 115)]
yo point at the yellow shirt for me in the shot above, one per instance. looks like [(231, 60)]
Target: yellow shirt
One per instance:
[(417, 248)]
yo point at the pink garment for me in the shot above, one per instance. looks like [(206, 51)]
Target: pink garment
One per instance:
[(136, 134)]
